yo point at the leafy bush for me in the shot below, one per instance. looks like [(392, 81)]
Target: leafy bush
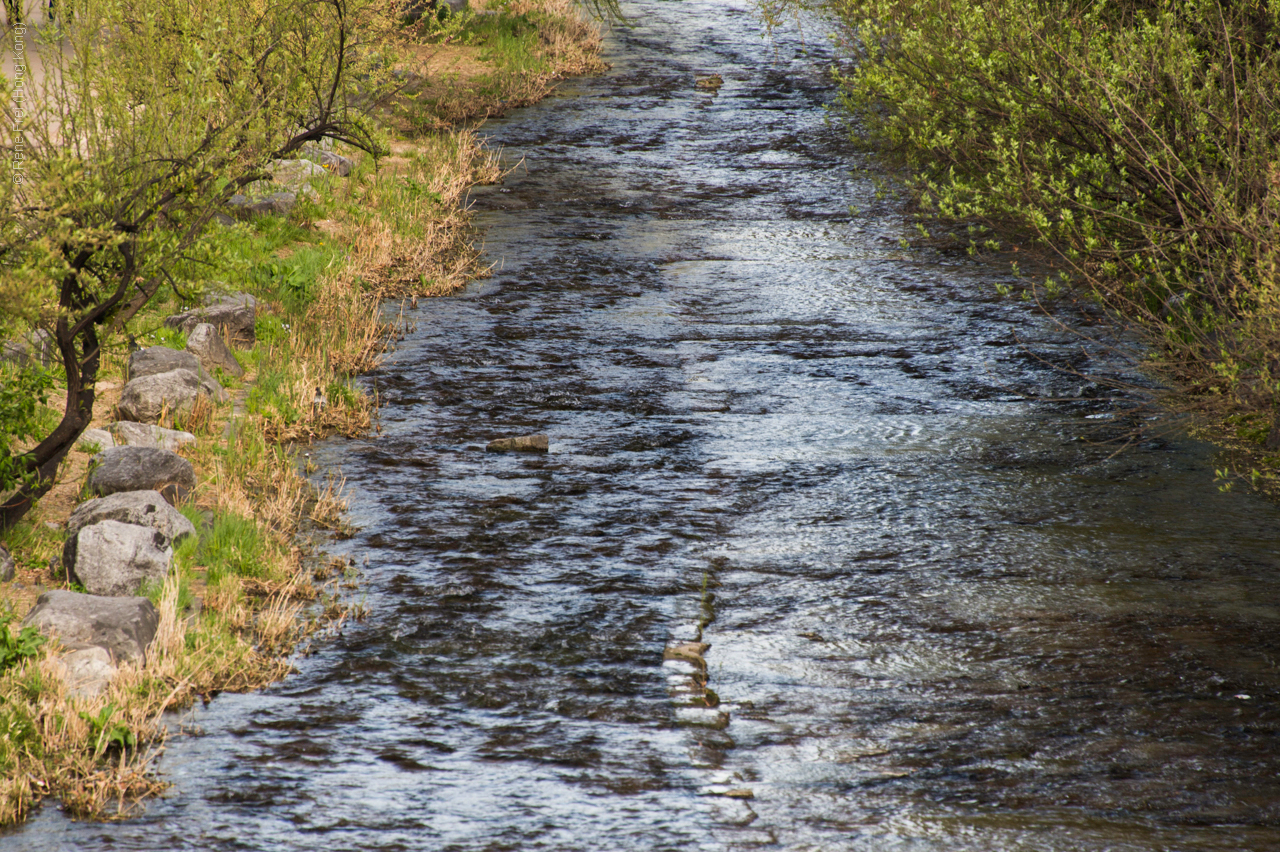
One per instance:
[(1137, 139), (23, 394)]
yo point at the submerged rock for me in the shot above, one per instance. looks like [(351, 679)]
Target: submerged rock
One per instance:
[(689, 652), (123, 626), (521, 444), (142, 469)]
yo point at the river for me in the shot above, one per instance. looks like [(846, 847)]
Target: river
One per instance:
[(941, 615)]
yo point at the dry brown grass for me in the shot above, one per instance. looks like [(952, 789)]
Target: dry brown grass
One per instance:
[(406, 224), (464, 84)]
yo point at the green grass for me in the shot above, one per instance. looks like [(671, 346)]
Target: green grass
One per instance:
[(33, 544), (234, 546), (268, 396)]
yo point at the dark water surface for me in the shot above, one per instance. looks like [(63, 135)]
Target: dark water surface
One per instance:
[(942, 621)]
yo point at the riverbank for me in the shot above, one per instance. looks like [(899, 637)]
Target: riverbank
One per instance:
[(253, 583), (1131, 143)]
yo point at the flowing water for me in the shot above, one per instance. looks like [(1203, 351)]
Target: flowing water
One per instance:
[(940, 616)]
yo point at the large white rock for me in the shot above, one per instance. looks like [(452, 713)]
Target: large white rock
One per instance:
[(87, 672), (99, 438), (156, 360), (120, 559), (140, 508), (147, 398)]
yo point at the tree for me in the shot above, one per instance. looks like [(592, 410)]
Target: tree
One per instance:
[(150, 115)]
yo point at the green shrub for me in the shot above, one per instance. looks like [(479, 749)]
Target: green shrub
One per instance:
[(1136, 139), (23, 416)]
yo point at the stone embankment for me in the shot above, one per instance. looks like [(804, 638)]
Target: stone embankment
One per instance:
[(120, 543)]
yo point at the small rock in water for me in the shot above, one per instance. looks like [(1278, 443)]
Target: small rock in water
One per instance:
[(712, 82), (702, 717), (691, 652), (522, 444)]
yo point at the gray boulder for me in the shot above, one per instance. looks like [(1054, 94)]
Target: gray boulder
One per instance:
[(14, 352), (206, 344), (120, 559), (521, 444), (233, 314), (126, 433), (142, 469), (140, 508), (275, 204), (160, 359), (148, 398), (7, 565), (86, 672), (295, 173), (336, 163), (45, 347), (124, 626), (99, 438)]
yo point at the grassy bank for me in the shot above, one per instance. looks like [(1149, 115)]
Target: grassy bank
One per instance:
[(255, 584), (1133, 140)]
